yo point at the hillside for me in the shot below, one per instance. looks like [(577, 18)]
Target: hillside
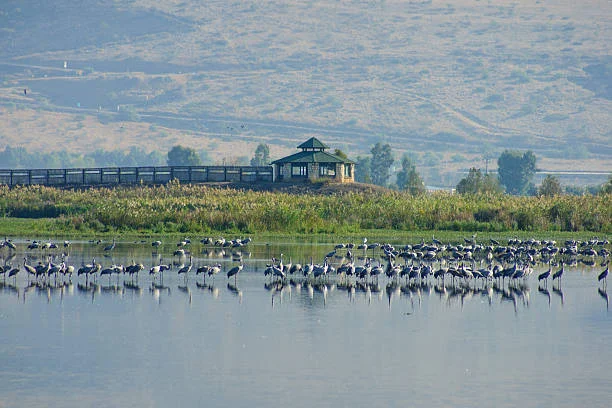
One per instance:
[(450, 82)]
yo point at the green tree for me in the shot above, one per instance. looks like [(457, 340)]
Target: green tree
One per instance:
[(13, 158), (382, 159), (607, 187), (362, 169), (408, 179), (550, 187), (183, 156), (515, 170), (477, 183), (262, 155), (340, 154)]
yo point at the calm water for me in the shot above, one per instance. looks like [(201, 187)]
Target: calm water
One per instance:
[(252, 343)]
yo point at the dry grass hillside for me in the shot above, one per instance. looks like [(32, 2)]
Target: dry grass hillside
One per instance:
[(449, 82)]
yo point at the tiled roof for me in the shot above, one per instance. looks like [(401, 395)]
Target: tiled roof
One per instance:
[(313, 143), (312, 157)]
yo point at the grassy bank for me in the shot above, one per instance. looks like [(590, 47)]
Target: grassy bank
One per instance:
[(180, 209)]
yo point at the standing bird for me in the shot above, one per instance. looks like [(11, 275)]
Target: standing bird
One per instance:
[(214, 270), (155, 270), (9, 244), (559, 273), (110, 247), (134, 268), (29, 268), (235, 271), (603, 276), (185, 269), (13, 274), (96, 267), (84, 269), (68, 270), (107, 272), (545, 275)]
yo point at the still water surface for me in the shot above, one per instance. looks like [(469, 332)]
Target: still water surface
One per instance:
[(252, 343)]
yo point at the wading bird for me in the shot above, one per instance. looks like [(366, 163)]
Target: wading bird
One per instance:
[(185, 269), (110, 247), (559, 273), (545, 275), (603, 276), (235, 271)]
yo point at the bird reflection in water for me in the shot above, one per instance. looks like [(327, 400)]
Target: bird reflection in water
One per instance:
[(277, 290), (87, 289), (158, 289), (559, 292), (133, 287), (602, 292), (544, 291), (348, 287), (185, 289), (323, 289), (10, 288), (210, 288), (112, 289), (393, 290), (233, 289)]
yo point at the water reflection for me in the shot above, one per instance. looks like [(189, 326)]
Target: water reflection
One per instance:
[(557, 291), (233, 289), (544, 291), (449, 293), (209, 288), (133, 287), (455, 276), (10, 289), (322, 329), (602, 292)]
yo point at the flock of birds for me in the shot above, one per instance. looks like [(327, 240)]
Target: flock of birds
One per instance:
[(466, 263), (45, 271), (469, 264)]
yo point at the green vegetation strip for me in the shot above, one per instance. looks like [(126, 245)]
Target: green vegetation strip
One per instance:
[(182, 209)]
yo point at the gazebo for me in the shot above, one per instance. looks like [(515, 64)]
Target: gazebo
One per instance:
[(314, 163)]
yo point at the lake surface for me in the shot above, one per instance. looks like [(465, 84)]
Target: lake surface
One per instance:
[(252, 342)]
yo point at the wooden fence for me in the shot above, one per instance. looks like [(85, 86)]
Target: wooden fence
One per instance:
[(111, 176)]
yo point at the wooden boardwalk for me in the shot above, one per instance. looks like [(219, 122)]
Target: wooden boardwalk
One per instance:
[(114, 176)]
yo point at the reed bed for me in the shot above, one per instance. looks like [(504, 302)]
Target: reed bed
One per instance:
[(200, 209)]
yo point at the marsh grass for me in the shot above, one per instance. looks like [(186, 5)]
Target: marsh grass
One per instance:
[(180, 209)]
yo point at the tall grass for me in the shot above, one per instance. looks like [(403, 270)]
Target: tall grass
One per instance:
[(200, 209)]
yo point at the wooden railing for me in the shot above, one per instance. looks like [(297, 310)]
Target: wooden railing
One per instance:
[(110, 176)]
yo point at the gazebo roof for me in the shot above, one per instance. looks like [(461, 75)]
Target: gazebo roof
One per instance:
[(312, 152), (312, 157), (313, 144)]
